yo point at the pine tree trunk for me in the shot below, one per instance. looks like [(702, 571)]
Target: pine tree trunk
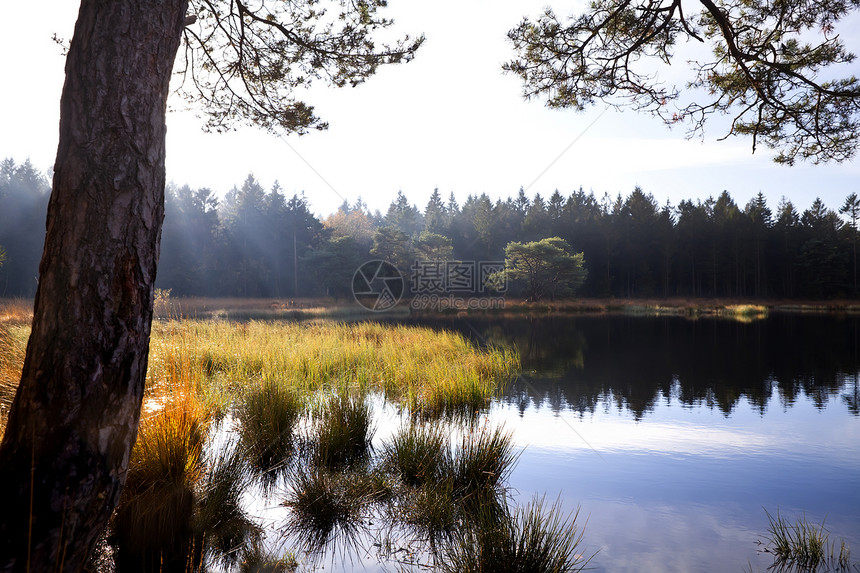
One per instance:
[(64, 457)]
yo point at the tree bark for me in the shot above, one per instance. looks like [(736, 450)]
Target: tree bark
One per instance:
[(65, 453)]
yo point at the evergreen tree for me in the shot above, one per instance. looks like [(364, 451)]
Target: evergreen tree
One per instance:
[(435, 214), (404, 217), (851, 208), (547, 268), (24, 193)]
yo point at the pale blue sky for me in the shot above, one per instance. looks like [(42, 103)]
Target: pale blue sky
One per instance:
[(449, 119)]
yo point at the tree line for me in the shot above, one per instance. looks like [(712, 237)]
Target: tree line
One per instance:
[(259, 243)]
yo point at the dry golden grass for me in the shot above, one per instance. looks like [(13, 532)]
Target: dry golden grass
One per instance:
[(424, 370), (15, 318)]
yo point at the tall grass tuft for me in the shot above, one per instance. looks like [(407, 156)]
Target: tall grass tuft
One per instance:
[(17, 311), (256, 559), (418, 454), (530, 540), (13, 344), (328, 506), (152, 525), (481, 465), (442, 486), (268, 411), (344, 431), (805, 547), (744, 312)]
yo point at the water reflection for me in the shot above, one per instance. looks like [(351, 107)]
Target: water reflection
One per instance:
[(673, 435), (636, 362)]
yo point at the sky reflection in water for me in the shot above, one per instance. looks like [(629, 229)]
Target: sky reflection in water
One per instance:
[(683, 485), (675, 436)]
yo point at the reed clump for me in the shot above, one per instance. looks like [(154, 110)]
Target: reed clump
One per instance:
[(327, 505), (483, 462), (182, 503), (344, 431), (744, 312), (418, 454), (803, 546), (528, 540), (152, 523), (221, 524), (441, 482), (256, 559), (267, 412)]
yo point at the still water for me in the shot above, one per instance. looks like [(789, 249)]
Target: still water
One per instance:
[(674, 436)]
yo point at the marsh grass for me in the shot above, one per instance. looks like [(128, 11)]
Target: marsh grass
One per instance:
[(746, 313), (418, 454), (13, 344), (221, 524), (482, 463), (257, 559), (329, 507), (345, 430), (16, 311), (442, 485), (805, 547), (181, 508), (421, 369), (15, 318), (267, 412), (153, 522), (529, 540)]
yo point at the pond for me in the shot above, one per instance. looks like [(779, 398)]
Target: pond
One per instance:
[(675, 436)]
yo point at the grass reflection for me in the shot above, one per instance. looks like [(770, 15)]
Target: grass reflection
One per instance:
[(805, 547), (267, 412), (530, 539), (284, 411)]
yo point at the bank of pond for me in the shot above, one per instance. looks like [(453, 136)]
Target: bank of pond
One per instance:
[(620, 443)]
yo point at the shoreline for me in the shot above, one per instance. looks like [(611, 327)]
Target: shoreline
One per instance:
[(346, 308)]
